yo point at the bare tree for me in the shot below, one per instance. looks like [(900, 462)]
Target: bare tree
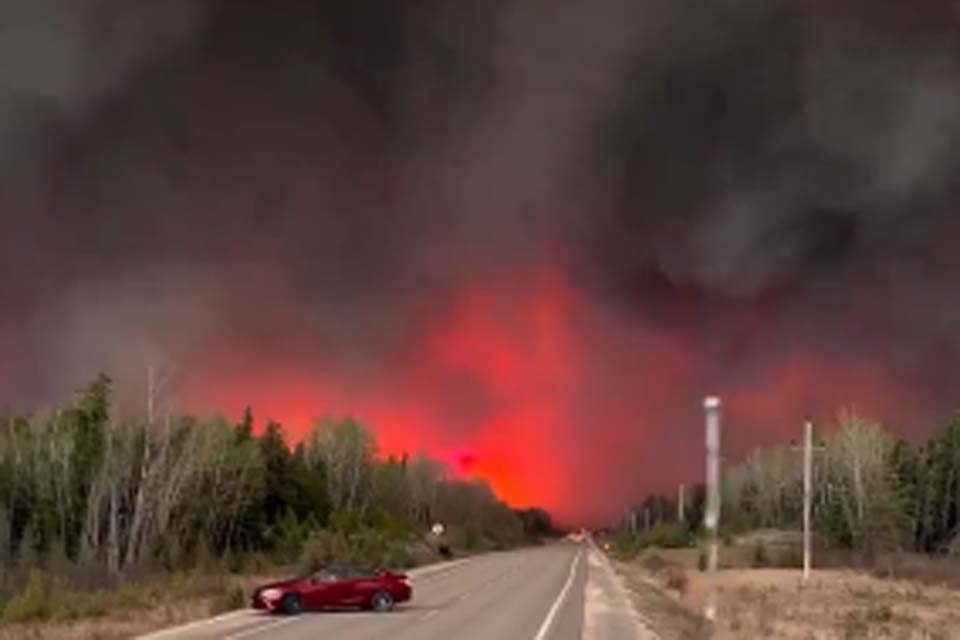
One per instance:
[(424, 478), (863, 484), (347, 451)]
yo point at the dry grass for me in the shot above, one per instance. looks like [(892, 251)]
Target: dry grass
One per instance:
[(140, 606), (657, 586), (136, 608), (114, 626), (836, 604)]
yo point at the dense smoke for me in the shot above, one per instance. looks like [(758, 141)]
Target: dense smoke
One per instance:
[(527, 236)]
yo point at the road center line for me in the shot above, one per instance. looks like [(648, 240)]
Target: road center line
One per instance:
[(429, 614), (251, 632), (552, 613)]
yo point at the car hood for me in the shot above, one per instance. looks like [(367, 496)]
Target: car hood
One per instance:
[(280, 584)]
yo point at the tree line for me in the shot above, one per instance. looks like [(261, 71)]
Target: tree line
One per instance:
[(871, 491), (86, 487)]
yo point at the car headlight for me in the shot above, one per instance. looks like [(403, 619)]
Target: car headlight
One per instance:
[(271, 594)]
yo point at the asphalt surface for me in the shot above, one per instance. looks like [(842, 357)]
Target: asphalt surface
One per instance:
[(528, 594)]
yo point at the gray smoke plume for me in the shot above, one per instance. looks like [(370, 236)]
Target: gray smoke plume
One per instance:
[(745, 184)]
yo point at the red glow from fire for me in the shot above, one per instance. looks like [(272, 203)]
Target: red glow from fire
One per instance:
[(525, 384), (512, 349)]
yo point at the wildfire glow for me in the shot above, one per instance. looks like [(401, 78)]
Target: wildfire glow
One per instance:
[(523, 383), (512, 355)]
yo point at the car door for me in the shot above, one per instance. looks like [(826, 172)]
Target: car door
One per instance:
[(359, 586), (323, 589)]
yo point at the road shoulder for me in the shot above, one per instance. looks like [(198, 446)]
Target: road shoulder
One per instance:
[(609, 613)]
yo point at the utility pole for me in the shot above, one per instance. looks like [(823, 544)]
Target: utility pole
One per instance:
[(711, 407), (646, 517), (680, 503)]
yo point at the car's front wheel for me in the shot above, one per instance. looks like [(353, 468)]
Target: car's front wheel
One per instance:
[(291, 604), (381, 601)]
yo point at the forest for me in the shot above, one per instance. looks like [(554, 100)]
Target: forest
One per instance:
[(88, 494), (872, 492)]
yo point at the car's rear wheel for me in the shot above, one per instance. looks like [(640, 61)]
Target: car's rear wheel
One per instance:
[(291, 604), (381, 601)]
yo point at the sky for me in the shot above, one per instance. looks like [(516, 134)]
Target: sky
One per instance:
[(526, 237)]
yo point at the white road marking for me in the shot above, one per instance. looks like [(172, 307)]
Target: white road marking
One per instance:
[(252, 632), (422, 572), (157, 635), (464, 596), (548, 621), (429, 614)]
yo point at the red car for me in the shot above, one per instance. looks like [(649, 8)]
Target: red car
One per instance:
[(335, 588)]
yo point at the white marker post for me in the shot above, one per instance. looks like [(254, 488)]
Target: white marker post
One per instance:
[(807, 491), (711, 406), (808, 451)]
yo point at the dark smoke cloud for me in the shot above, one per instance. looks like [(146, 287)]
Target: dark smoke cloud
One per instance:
[(313, 181)]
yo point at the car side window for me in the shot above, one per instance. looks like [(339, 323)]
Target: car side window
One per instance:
[(361, 572), (326, 575)]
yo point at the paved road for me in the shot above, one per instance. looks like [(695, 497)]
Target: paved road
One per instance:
[(529, 594)]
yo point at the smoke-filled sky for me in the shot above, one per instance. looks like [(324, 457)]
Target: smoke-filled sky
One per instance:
[(525, 236)]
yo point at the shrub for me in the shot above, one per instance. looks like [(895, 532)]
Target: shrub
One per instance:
[(256, 563), (347, 522), (231, 599), (365, 545), (860, 623), (676, 578), (654, 563), (392, 527), (665, 536), (626, 547), (472, 540), (130, 596), (77, 606), (288, 537), (398, 557), (323, 548), (760, 556), (792, 558), (33, 603)]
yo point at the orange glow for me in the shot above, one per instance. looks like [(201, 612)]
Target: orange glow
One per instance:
[(554, 402), (512, 346)]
